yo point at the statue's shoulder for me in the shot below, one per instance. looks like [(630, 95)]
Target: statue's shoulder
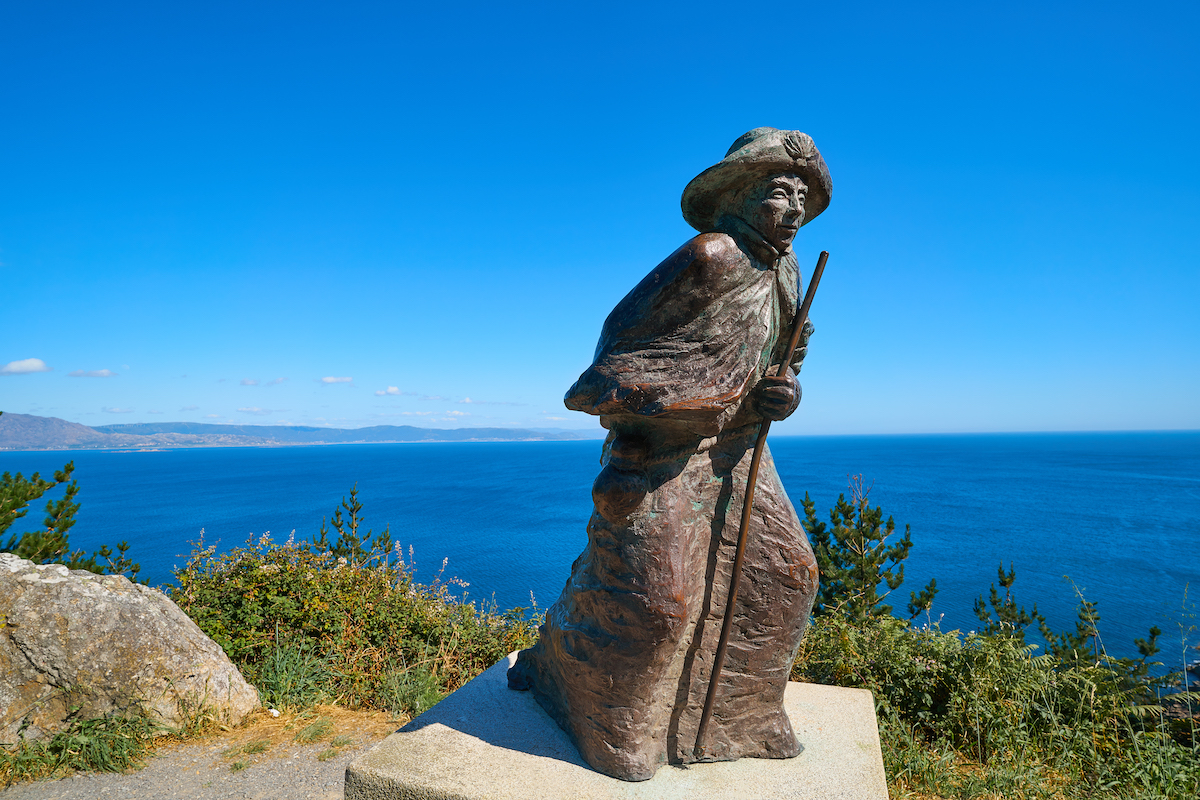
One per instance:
[(715, 257), (714, 247), (703, 260)]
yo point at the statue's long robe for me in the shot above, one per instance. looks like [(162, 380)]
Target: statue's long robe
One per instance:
[(625, 655)]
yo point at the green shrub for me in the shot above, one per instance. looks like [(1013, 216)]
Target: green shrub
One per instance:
[(982, 715), (1027, 725), (304, 624)]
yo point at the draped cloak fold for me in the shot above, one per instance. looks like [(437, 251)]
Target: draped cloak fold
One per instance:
[(625, 654)]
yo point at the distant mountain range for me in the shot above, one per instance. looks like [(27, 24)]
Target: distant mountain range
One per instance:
[(29, 432)]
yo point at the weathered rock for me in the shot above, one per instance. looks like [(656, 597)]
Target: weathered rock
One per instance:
[(75, 645)]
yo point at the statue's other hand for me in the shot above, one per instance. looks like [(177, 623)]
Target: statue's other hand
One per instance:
[(776, 398)]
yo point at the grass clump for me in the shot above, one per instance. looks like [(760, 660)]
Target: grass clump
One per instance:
[(334, 746), (315, 731), (251, 748), (341, 620), (113, 744), (255, 747)]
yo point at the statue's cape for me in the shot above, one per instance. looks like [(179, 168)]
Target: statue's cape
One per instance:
[(696, 335)]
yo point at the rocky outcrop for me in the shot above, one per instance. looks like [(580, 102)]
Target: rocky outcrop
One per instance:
[(75, 645)]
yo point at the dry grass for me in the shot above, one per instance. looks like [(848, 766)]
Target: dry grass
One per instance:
[(263, 736)]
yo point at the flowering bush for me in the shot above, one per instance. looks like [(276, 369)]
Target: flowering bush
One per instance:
[(304, 625)]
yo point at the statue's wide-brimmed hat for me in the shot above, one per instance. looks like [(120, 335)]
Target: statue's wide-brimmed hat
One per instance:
[(755, 155)]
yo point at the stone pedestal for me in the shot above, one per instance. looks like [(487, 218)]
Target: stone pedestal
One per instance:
[(485, 742)]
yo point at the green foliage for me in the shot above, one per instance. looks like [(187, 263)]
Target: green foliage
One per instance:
[(414, 691), (315, 731), (51, 545), (980, 716), (111, 744), (292, 676), (855, 559), (1011, 619), (308, 625), (358, 550), (253, 748), (983, 715)]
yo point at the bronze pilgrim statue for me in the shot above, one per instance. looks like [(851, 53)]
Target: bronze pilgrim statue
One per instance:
[(683, 377)]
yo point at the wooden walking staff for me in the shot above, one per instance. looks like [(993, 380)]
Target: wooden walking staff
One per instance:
[(759, 445)]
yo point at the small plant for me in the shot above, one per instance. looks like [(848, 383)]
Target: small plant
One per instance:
[(332, 752), (251, 748), (358, 550), (315, 731), (256, 746), (239, 765), (1011, 619)]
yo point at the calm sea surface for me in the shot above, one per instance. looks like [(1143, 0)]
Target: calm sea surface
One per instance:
[(1118, 513)]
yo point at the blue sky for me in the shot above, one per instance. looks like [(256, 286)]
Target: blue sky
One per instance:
[(209, 210)]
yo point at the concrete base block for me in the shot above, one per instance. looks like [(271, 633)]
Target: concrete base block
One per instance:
[(485, 742)]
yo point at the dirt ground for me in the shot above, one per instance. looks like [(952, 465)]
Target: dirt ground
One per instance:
[(267, 758)]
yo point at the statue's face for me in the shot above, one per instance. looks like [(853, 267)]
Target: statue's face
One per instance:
[(775, 208)]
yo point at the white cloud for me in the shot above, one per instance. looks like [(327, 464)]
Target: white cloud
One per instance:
[(459, 413), (24, 367), (249, 382), (394, 390), (117, 410), (336, 380), (190, 408), (212, 416), (154, 412), (125, 367), (276, 382), (256, 410), (92, 373), (489, 402)]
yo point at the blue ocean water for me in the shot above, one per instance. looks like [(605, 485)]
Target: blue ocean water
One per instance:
[(1117, 512)]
